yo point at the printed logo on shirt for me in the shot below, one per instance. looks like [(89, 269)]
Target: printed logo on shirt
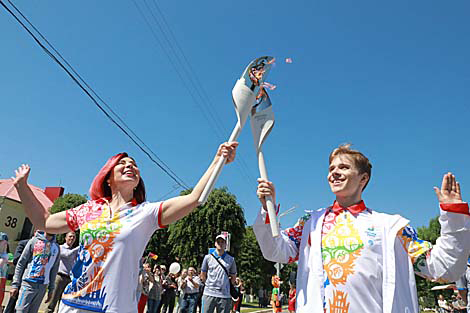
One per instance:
[(41, 255), (295, 234), (96, 242), (415, 246), (341, 246)]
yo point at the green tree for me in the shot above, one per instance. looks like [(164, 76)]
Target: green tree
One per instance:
[(432, 232), (189, 239), (253, 268), (67, 201), (285, 275), (429, 233), (158, 245)]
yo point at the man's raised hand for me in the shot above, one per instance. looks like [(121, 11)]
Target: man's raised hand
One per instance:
[(21, 175), (450, 190)]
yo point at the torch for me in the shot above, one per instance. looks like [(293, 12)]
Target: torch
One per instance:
[(262, 121), (244, 95)]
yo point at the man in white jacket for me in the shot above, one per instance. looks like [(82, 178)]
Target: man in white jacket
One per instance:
[(354, 259)]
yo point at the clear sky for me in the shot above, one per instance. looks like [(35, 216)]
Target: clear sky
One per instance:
[(390, 77)]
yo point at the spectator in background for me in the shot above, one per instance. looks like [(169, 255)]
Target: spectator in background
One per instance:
[(292, 297), (237, 303), (443, 306), (463, 284), (199, 295), (163, 275), (3, 265), (169, 293), (10, 308), (458, 304), (67, 258), (179, 280), (189, 291), (145, 278), (262, 296), (155, 290), (35, 271), (217, 269)]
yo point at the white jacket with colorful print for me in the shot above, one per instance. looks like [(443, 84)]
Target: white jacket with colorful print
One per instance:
[(403, 256)]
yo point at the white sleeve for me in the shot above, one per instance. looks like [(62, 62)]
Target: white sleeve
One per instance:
[(447, 259), (155, 210), (282, 249)]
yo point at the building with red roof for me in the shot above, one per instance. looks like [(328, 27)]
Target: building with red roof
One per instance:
[(13, 220)]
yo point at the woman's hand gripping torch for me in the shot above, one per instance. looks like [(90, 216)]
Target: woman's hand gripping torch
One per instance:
[(244, 96), (262, 121)]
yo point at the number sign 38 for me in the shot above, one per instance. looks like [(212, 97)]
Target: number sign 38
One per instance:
[(11, 222)]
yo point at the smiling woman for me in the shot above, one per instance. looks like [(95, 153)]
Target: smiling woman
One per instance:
[(126, 175), (115, 226)]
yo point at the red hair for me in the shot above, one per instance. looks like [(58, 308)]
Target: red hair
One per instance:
[(100, 188)]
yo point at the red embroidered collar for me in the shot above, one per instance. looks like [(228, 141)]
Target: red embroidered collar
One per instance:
[(354, 209)]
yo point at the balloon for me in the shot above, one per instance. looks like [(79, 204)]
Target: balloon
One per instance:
[(175, 267)]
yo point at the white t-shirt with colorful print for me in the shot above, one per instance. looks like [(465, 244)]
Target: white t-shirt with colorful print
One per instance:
[(105, 275)]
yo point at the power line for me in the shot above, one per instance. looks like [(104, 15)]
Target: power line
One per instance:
[(199, 86), (165, 168), (189, 79), (185, 64), (94, 93), (174, 188)]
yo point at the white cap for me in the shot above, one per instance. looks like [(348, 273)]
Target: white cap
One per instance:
[(220, 236)]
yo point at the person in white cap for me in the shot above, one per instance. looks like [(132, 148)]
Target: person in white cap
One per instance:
[(217, 269)]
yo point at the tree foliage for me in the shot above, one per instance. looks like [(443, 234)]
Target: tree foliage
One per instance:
[(285, 275), (189, 239), (429, 233), (432, 232), (253, 268), (159, 245), (67, 201)]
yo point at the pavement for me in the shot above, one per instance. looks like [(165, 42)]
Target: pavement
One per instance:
[(42, 308)]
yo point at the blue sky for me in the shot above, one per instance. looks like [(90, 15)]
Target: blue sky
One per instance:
[(390, 77)]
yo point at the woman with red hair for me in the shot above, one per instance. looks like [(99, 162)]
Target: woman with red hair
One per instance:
[(115, 226)]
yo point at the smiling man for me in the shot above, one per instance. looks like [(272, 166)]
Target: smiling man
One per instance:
[(355, 259)]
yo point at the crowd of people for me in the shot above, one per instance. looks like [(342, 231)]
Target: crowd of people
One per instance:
[(42, 267), (455, 305), (188, 288)]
